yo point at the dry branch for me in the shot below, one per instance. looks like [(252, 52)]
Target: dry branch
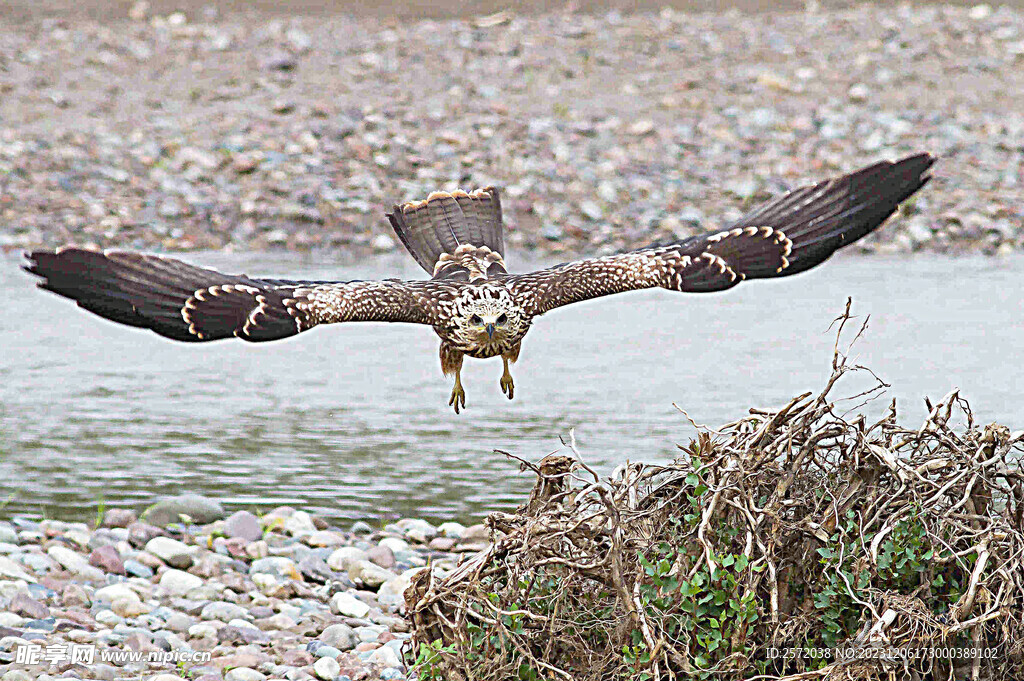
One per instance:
[(790, 544)]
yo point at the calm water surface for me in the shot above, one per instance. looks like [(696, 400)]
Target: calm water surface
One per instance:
[(352, 421)]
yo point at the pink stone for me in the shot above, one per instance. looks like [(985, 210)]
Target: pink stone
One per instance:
[(107, 558)]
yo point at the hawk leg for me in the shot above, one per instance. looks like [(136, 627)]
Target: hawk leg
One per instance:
[(451, 363), (507, 386), (507, 358), (458, 394)]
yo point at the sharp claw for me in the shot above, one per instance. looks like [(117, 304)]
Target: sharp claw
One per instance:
[(507, 386), (458, 398)]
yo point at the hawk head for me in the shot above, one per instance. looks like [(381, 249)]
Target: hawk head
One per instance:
[(485, 315)]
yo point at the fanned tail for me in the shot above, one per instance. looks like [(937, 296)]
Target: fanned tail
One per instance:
[(447, 220)]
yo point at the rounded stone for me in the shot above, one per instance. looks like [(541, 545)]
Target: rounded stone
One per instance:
[(342, 558), (395, 544), (419, 531), (328, 651), (443, 543), (340, 636), (197, 509), (26, 606), (118, 517), (16, 675), (382, 556), (137, 569), (243, 525), (223, 611), (179, 583), (361, 527), (202, 630), (385, 656), (348, 605), (127, 607), (10, 620), (392, 592), (279, 566), (326, 668), (476, 534), (244, 674), (114, 592), (369, 574), (244, 624), (11, 570), (107, 559), (325, 538), (297, 657), (370, 634), (74, 562), (8, 535), (299, 524), (171, 551)]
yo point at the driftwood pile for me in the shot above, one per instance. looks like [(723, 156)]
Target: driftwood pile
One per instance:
[(792, 544)]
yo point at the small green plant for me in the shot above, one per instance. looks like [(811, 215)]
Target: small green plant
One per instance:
[(101, 510), (904, 565), (707, 613), (183, 672), (429, 659)]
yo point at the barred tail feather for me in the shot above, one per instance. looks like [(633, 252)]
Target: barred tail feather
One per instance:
[(445, 221)]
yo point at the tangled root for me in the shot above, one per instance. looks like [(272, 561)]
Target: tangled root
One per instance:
[(791, 544)]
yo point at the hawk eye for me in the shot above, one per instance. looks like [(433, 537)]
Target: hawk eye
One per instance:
[(475, 319), (502, 318)]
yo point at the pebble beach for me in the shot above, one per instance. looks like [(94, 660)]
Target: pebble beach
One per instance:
[(199, 129), (237, 597)]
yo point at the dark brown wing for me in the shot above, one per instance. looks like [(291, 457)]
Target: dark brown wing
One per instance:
[(785, 236), (190, 303)]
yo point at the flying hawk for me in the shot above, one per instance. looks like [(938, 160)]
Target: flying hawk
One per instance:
[(472, 302)]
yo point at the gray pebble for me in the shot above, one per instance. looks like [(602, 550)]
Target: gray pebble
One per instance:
[(340, 636)]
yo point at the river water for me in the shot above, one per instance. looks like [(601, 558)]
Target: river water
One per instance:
[(353, 421)]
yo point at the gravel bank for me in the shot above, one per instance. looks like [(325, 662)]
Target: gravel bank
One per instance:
[(241, 598), (607, 131)]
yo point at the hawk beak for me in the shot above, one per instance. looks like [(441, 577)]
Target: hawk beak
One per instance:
[(490, 330)]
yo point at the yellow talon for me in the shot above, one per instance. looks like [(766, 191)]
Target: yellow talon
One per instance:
[(507, 386), (458, 394)]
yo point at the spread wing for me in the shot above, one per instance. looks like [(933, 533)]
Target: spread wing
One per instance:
[(785, 236), (190, 303)]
